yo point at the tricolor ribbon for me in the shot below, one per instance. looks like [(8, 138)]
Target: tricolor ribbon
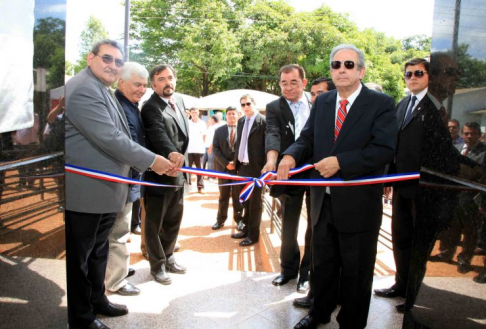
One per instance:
[(251, 182)]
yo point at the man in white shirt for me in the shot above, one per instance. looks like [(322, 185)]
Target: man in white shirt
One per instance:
[(196, 149)]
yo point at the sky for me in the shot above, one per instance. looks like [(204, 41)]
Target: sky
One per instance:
[(396, 18)]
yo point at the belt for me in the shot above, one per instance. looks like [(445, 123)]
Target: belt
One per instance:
[(245, 163)]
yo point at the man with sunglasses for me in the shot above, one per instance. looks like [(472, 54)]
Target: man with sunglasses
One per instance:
[(286, 117), (418, 211), (351, 133), (98, 138), (249, 161)]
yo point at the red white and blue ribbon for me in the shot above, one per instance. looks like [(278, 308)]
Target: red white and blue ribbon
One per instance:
[(251, 182), (109, 177)]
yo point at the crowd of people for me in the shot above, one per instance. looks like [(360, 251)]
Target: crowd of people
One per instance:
[(345, 129)]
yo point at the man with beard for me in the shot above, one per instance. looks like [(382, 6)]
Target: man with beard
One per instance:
[(166, 132)]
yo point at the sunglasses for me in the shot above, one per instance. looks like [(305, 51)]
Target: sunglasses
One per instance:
[(347, 64), (417, 73), (246, 104), (108, 59)]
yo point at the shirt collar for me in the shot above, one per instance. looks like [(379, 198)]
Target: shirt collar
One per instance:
[(351, 97)]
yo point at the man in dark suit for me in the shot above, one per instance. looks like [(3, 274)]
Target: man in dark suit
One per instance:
[(418, 211), (249, 161), (166, 132), (132, 85), (350, 133), (320, 86), (224, 143), (98, 138), (286, 117), (467, 217)]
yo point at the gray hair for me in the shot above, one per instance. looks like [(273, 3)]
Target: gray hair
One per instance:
[(374, 86), (361, 58), (132, 68), (96, 47)]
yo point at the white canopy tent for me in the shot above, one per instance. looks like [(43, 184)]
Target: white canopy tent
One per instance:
[(222, 100)]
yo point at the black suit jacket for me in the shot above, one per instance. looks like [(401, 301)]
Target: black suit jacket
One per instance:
[(365, 145), (256, 144), (138, 135), (423, 142), (223, 153), (280, 135), (164, 134)]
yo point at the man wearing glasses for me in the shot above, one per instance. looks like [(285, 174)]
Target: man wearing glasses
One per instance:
[(350, 133), (98, 138), (419, 211), (286, 117), (249, 161)]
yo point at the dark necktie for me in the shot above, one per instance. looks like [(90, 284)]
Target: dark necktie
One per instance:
[(408, 116), (174, 108), (244, 138), (340, 117), (232, 137)]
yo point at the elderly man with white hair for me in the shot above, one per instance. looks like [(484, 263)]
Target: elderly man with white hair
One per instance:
[(132, 85)]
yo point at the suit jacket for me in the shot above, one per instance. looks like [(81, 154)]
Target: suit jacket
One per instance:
[(280, 135), (164, 134), (478, 155), (423, 142), (138, 135), (223, 152), (256, 140), (364, 146), (98, 137)]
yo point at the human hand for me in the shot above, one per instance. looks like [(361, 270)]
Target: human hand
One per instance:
[(287, 163), (177, 159), (269, 166), (162, 165), (327, 167)]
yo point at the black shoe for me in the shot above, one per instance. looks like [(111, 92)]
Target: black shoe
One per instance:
[(97, 324), (304, 302), (239, 235), (111, 309), (128, 290), (463, 267), (175, 268), (390, 292), (217, 226), (310, 322), (162, 276), (137, 230), (282, 279), (303, 286), (248, 242), (240, 226), (401, 308), (131, 272), (440, 258), (480, 278)]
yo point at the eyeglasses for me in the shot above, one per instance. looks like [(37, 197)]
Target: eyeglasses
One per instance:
[(347, 64), (108, 59), (417, 73), (246, 104), (292, 84)]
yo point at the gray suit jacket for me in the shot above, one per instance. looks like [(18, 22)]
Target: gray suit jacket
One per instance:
[(98, 138)]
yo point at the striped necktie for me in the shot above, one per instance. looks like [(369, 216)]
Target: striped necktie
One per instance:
[(340, 117)]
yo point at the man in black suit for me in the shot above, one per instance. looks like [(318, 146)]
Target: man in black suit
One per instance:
[(350, 133), (249, 161), (224, 143), (286, 117), (418, 211), (166, 131)]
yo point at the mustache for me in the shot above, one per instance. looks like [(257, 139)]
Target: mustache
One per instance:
[(111, 71)]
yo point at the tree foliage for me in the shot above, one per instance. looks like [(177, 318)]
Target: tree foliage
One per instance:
[(227, 44), (49, 49), (93, 32)]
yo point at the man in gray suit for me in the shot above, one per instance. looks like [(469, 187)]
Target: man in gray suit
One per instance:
[(98, 138)]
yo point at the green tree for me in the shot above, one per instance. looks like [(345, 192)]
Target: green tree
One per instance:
[(93, 32), (49, 49)]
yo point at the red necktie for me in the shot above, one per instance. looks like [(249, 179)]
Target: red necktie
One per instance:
[(232, 136), (341, 116)]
